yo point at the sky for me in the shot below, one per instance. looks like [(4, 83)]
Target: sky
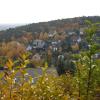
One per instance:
[(32, 11)]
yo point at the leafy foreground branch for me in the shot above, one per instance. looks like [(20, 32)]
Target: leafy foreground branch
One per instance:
[(47, 87)]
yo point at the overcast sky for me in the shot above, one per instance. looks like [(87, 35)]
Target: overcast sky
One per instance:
[(29, 11)]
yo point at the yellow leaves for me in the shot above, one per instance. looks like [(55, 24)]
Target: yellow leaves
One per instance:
[(1, 74), (23, 56), (30, 80), (79, 66), (26, 62), (9, 64), (66, 97), (98, 89), (76, 93), (45, 66)]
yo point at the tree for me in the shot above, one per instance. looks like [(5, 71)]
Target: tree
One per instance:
[(41, 36), (12, 49), (45, 36), (87, 68)]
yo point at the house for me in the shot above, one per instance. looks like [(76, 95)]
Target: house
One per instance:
[(82, 33), (79, 40), (74, 37), (29, 47), (70, 33), (52, 33), (39, 44), (97, 56)]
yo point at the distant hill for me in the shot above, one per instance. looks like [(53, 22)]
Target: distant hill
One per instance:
[(7, 26), (58, 25)]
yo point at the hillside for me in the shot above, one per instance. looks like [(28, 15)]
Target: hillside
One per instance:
[(62, 25)]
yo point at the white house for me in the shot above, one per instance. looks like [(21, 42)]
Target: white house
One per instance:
[(38, 43)]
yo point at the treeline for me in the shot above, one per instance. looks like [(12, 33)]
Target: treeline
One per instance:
[(58, 25)]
